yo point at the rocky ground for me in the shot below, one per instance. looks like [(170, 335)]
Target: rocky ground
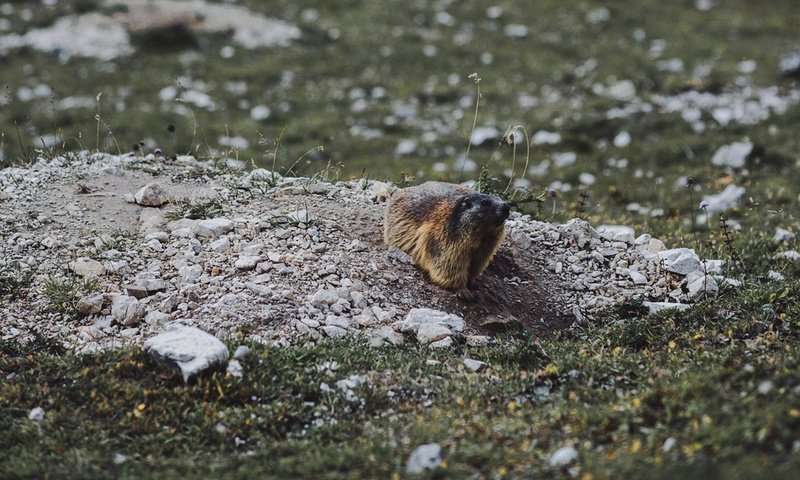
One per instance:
[(284, 260)]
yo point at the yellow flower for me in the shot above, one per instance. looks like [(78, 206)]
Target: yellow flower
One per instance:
[(512, 405), (636, 446), (672, 345)]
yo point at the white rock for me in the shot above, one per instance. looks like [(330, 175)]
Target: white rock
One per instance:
[(190, 273), (432, 332), (334, 331), (543, 137), (220, 245), (127, 310), (782, 235), (156, 318), (337, 321), (733, 155), (789, 255), (724, 200), (680, 260), (213, 227), (623, 91), (187, 350), (36, 414), (669, 444), (777, 276), (637, 277), (713, 266), (427, 316), (477, 340), (484, 134), (617, 233), (698, 285), (474, 365), (424, 457), (241, 352), (765, 387), (385, 335), (622, 139), (656, 246), (563, 456), (90, 304), (446, 342), (153, 195), (324, 297), (235, 368), (160, 236), (659, 306), (87, 267), (247, 262)]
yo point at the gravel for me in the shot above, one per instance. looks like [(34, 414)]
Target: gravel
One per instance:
[(324, 273)]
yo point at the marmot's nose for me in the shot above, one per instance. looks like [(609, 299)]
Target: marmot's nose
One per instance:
[(505, 210)]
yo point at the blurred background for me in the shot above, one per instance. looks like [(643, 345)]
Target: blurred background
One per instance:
[(651, 113)]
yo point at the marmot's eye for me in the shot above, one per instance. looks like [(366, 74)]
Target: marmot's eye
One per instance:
[(486, 203)]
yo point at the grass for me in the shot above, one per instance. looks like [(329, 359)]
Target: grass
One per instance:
[(720, 384), (197, 209), (15, 279), (310, 87), (65, 292)]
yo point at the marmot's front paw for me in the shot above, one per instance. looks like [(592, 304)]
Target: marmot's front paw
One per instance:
[(466, 295)]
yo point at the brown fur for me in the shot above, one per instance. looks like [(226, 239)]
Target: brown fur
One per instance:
[(453, 249)]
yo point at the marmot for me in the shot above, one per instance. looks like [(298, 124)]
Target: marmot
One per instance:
[(449, 231)]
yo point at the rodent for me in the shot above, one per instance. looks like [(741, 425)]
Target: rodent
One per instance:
[(449, 231)]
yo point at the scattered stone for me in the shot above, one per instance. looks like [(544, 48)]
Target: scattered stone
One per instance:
[(776, 276), (789, 255), (474, 365), (765, 387), (399, 255), (623, 90), (446, 342), (153, 195), (699, 285), (235, 368), (563, 456), (724, 200), (334, 332), (783, 236), (680, 260), (213, 227), (187, 350), (654, 307), (432, 332), (36, 414), (156, 318), (638, 278), (669, 444), (241, 352), (424, 457), (324, 298), (127, 310), (617, 233), (477, 340), (87, 268), (418, 317), (733, 155), (789, 65), (90, 304), (247, 262)]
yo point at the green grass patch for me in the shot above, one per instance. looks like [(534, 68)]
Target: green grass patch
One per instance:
[(718, 384)]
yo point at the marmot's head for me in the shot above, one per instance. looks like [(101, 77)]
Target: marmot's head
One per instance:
[(479, 210)]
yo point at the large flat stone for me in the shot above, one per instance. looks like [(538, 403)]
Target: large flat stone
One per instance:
[(187, 350)]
